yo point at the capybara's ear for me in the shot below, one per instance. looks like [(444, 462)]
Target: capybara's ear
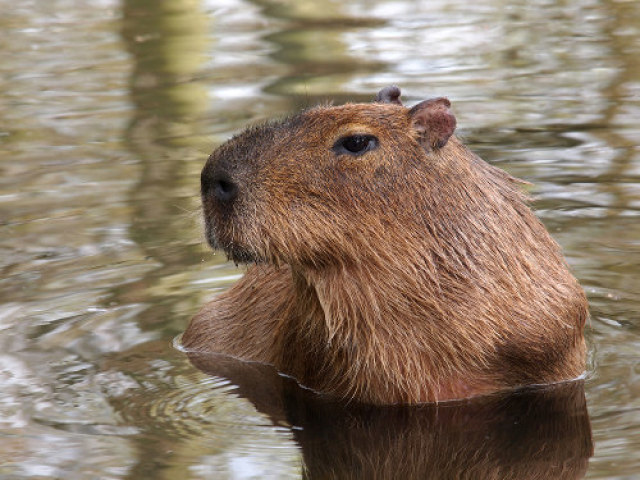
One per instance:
[(390, 94), (433, 121)]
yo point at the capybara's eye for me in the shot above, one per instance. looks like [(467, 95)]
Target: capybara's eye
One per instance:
[(355, 144)]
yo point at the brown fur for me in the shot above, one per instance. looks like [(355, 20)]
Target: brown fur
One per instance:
[(414, 272)]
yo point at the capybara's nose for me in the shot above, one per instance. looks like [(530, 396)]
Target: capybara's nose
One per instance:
[(224, 189), (217, 184)]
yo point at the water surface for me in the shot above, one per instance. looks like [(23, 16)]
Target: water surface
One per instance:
[(107, 112)]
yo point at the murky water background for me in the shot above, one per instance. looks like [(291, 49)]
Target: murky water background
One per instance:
[(107, 112)]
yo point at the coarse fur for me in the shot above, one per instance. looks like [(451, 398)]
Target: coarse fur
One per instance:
[(412, 272)]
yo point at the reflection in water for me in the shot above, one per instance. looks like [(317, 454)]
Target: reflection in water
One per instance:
[(538, 433), (108, 110), (167, 40), (167, 99), (189, 425)]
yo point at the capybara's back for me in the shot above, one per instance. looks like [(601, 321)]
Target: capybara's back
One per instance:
[(389, 264)]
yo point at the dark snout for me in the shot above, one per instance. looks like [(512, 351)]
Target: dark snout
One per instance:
[(228, 184), (221, 187), (218, 184)]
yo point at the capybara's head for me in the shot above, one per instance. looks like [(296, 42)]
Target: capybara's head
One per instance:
[(331, 185)]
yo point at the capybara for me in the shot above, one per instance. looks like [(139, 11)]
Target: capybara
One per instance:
[(388, 263)]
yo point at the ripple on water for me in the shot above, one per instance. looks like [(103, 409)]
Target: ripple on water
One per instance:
[(212, 428), (100, 100)]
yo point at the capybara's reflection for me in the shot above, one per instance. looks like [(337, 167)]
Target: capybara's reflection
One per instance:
[(534, 433)]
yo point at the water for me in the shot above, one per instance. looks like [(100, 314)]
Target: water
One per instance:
[(107, 112)]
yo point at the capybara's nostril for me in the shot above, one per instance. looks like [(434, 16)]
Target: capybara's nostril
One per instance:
[(224, 189)]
